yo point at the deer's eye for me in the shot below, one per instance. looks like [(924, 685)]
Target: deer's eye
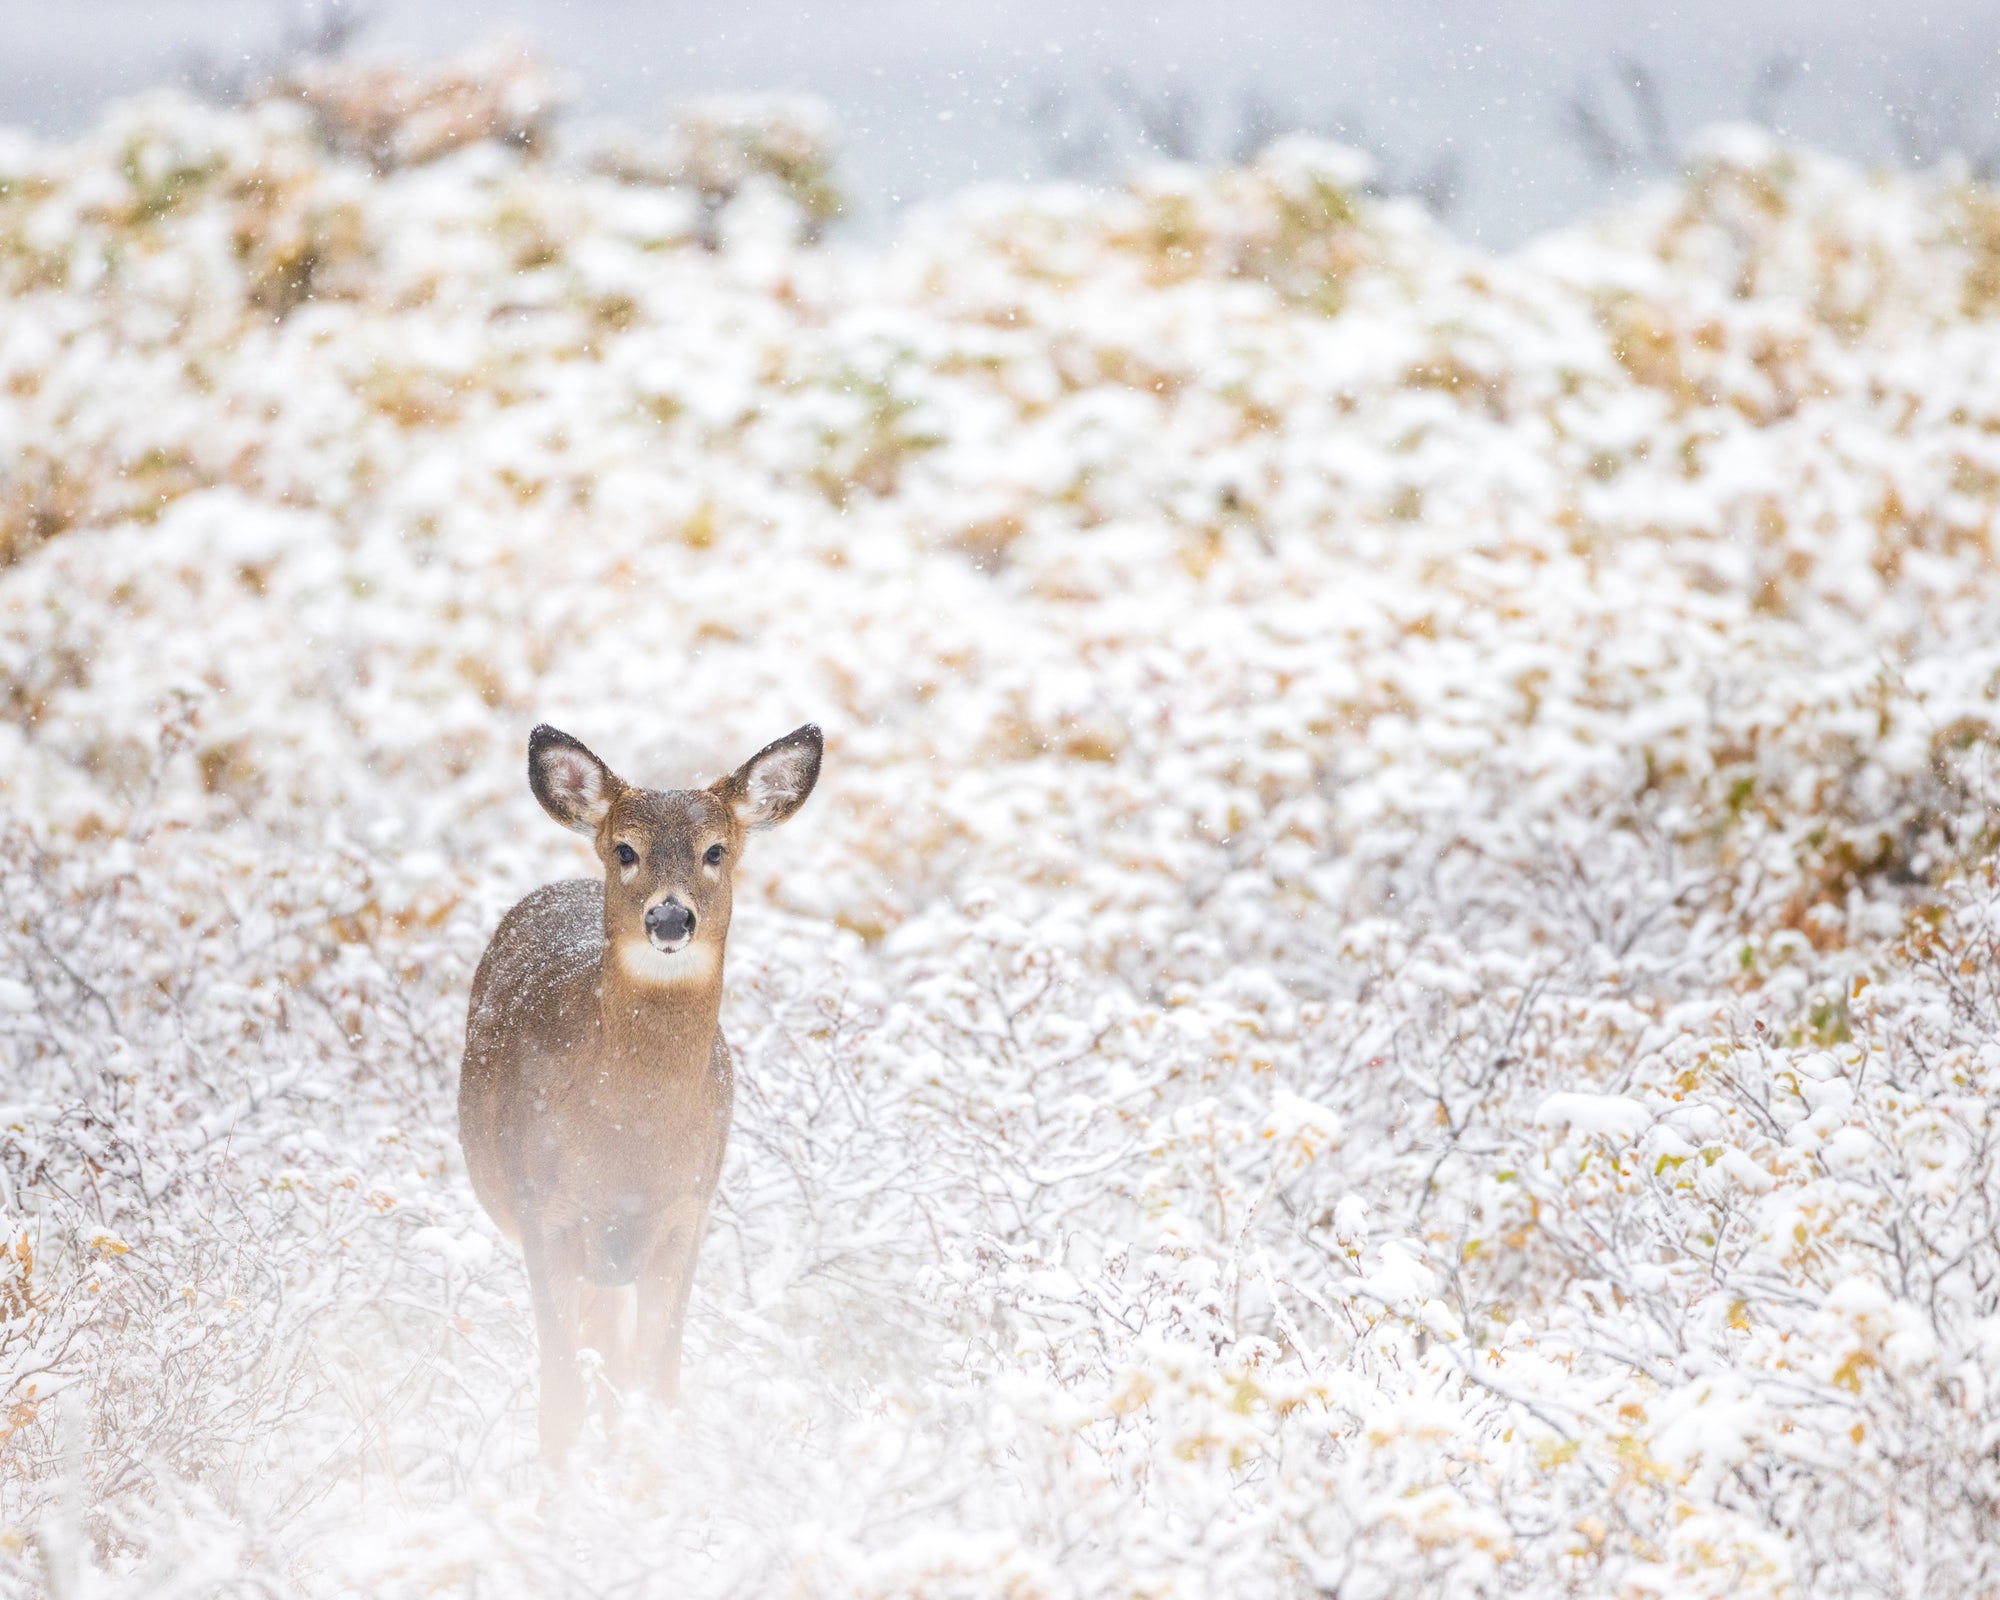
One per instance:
[(627, 856), (714, 855)]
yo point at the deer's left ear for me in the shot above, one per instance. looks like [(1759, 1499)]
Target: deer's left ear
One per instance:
[(573, 786), (773, 783)]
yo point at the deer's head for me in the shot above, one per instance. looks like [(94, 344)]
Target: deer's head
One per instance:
[(669, 854)]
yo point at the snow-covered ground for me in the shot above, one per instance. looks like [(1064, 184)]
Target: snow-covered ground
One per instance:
[(1390, 989)]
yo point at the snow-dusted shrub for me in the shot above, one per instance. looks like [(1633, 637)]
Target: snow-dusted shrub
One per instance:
[(755, 164), (392, 115)]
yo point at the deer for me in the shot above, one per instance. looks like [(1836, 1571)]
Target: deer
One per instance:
[(596, 1091)]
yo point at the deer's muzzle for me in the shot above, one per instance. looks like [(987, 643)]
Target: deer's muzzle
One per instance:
[(670, 925)]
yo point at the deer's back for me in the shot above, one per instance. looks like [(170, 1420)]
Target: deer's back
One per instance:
[(531, 1022)]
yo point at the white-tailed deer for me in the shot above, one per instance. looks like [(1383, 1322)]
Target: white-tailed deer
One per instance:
[(595, 1097)]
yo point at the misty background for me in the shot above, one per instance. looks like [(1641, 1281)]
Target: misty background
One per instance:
[(1507, 118)]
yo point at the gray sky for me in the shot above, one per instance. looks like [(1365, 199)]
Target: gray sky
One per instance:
[(1477, 100)]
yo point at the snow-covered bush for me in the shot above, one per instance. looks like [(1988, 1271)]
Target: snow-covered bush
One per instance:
[(392, 115), (1390, 989), (730, 149)]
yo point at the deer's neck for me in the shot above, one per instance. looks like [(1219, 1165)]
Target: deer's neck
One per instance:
[(660, 1014)]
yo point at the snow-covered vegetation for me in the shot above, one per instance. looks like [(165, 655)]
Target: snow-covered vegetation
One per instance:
[(1392, 987)]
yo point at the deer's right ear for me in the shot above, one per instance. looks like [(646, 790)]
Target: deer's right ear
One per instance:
[(773, 783), (573, 786)]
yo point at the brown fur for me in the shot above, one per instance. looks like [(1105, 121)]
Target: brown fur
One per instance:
[(595, 1097)]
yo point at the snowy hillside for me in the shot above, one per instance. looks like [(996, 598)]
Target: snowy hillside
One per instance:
[(1390, 988)]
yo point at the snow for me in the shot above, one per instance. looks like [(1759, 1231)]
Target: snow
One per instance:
[(1614, 1115), (1391, 984)]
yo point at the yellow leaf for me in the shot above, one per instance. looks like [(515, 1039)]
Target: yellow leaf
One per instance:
[(1848, 1374)]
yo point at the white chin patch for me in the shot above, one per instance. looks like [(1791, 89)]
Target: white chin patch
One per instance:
[(687, 962)]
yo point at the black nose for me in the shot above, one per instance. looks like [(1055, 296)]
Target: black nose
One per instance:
[(669, 921)]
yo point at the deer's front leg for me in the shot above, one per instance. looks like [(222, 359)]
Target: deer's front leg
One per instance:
[(608, 1323), (663, 1299), (555, 1281)]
